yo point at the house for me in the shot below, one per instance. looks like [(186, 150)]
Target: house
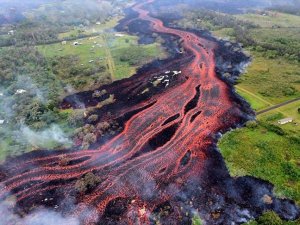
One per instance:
[(119, 35), (1, 94), (64, 42), (11, 32), (176, 72), (2, 122), (20, 91), (98, 23), (285, 121)]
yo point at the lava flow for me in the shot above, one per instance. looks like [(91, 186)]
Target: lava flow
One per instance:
[(163, 166)]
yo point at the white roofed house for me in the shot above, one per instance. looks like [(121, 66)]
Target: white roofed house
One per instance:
[(20, 91), (11, 32), (119, 35), (285, 121), (2, 122)]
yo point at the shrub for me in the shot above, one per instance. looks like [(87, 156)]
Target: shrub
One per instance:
[(290, 170), (107, 101), (93, 118), (273, 128), (86, 183), (290, 91), (98, 94), (274, 117), (251, 124)]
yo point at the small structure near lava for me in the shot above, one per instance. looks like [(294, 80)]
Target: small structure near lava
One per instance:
[(285, 121), (20, 91)]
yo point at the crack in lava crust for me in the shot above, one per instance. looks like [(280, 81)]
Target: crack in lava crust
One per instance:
[(164, 159)]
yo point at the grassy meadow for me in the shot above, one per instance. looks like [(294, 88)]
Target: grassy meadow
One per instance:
[(268, 151), (272, 81), (106, 49)]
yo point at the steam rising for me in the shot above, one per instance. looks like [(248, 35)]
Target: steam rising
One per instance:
[(45, 137), (38, 217)]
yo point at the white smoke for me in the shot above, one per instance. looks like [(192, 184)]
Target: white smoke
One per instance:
[(53, 135), (39, 217)]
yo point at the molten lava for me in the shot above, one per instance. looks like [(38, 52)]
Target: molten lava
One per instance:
[(163, 165)]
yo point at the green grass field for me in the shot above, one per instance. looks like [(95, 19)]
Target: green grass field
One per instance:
[(263, 152), (104, 49), (92, 29), (271, 19), (257, 102), (273, 80), (290, 110)]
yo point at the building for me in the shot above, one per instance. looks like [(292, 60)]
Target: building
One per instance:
[(119, 35), (20, 91), (64, 42), (285, 121), (2, 122), (11, 32)]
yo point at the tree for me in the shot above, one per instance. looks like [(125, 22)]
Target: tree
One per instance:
[(76, 118), (64, 161), (103, 126), (86, 183), (269, 218), (88, 140)]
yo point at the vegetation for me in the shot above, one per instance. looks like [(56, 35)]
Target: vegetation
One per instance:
[(271, 218), (267, 152), (44, 24), (120, 56), (279, 76), (40, 60), (214, 21), (89, 133), (196, 220), (86, 183), (275, 34)]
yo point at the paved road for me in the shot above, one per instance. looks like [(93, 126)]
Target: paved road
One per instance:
[(278, 106)]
